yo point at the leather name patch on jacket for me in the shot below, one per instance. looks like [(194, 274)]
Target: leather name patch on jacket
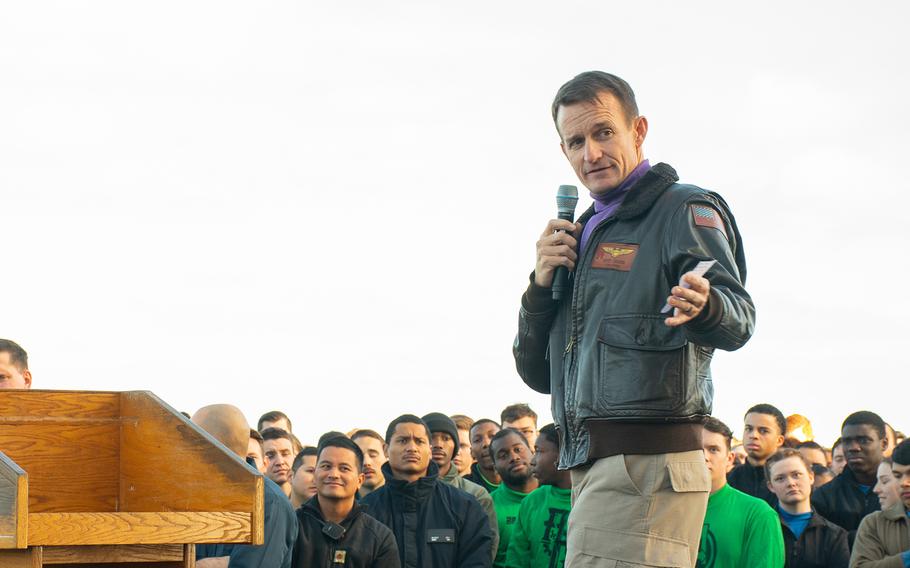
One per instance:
[(705, 216), (615, 256)]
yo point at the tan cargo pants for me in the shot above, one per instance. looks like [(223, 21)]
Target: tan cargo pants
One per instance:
[(638, 510)]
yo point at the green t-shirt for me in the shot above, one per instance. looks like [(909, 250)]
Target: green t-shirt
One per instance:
[(740, 530), (539, 535), (506, 502)]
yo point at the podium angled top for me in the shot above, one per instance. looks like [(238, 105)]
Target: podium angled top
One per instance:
[(88, 467)]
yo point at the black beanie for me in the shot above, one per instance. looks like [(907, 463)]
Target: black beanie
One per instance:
[(439, 422)]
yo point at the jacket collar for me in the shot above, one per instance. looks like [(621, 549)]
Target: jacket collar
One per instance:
[(896, 512), (815, 520), (312, 508), (757, 471), (419, 490), (450, 476), (643, 194), (849, 478)]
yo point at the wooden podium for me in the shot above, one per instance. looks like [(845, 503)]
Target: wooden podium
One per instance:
[(116, 480)]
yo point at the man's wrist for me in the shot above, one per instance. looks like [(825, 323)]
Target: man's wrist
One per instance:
[(537, 299), (711, 314)]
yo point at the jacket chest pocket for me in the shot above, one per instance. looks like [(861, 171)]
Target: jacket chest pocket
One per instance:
[(642, 365)]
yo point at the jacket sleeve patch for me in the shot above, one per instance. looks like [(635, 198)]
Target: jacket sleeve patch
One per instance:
[(705, 216), (614, 256)]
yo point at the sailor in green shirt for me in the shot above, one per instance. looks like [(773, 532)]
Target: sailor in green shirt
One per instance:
[(483, 473), (739, 530), (512, 459), (539, 536)]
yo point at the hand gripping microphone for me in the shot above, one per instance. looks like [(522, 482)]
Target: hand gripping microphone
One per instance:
[(566, 200)]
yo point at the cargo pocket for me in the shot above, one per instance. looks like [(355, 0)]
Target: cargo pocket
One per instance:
[(637, 549), (642, 364), (687, 477)]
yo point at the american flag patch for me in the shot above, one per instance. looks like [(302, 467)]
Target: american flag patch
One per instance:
[(705, 216)]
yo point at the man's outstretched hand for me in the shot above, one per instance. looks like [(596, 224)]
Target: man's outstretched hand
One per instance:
[(688, 303)]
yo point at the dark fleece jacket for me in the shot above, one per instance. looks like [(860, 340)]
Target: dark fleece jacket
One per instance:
[(434, 523), (365, 543)]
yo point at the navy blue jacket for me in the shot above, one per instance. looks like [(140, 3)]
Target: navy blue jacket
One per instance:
[(822, 545), (434, 523), (750, 479), (843, 502), (365, 542), (280, 532)]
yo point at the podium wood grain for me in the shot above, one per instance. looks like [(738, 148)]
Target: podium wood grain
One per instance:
[(61, 529), (153, 478), (118, 553), (29, 558), (114, 479)]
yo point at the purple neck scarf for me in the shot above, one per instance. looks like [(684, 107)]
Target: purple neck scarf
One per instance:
[(607, 204)]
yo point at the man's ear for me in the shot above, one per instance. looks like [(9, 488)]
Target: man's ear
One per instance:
[(385, 450), (641, 130), (27, 376)]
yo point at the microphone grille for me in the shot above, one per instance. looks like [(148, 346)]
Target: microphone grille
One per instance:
[(566, 198)]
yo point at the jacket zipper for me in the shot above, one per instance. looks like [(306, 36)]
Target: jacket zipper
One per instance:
[(572, 346), (592, 241)]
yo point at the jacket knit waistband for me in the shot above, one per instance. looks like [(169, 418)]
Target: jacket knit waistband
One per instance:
[(610, 437)]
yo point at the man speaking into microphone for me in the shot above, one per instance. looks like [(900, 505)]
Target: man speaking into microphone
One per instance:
[(656, 273)]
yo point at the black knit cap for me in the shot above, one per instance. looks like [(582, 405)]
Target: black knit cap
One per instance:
[(439, 422)]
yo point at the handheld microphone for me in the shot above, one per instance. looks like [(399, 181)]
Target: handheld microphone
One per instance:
[(566, 200)]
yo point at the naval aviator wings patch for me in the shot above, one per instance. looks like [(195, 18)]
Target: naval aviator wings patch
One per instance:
[(615, 256), (706, 216)]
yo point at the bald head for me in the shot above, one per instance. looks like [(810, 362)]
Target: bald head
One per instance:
[(226, 424)]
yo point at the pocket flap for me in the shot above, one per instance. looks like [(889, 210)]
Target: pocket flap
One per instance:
[(634, 548), (689, 476), (646, 333)]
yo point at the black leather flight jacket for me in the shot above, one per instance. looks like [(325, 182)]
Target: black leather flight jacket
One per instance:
[(621, 380)]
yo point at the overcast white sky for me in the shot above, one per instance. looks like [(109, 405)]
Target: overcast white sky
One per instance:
[(330, 208)]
